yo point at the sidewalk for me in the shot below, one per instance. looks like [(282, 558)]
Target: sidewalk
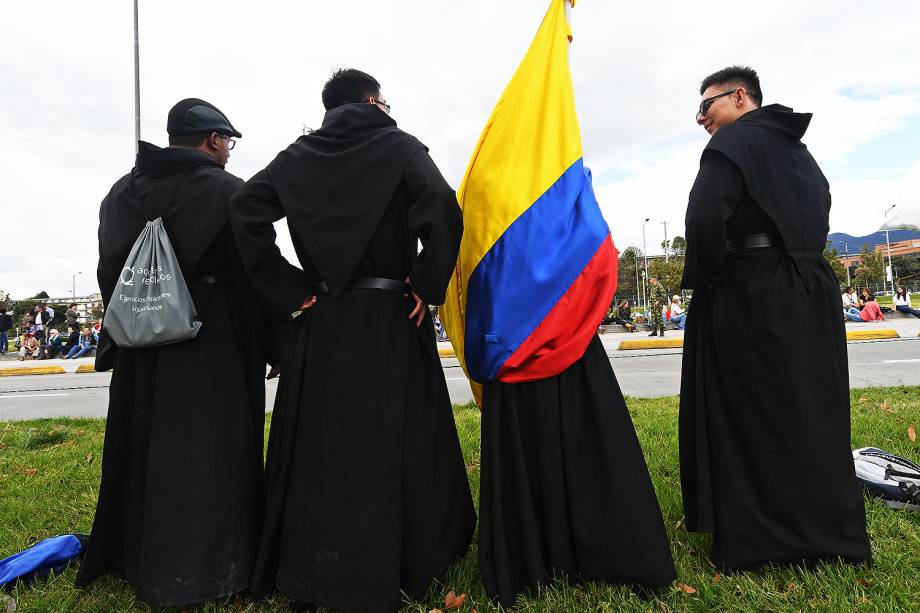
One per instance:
[(904, 327), (42, 367)]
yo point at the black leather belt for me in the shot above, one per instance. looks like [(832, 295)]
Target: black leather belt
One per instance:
[(207, 280), (389, 285), (751, 241)]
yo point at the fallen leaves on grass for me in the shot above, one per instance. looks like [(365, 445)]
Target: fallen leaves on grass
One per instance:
[(862, 582), (884, 406), (678, 524), (911, 433), (27, 471), (790, 586), (452, 601), (717, 577), (686, 589), (89, 458)]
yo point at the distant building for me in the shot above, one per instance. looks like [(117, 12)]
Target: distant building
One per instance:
[(911, 245), (89, 308)]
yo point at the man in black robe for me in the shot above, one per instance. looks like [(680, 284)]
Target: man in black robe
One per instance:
[(366, 488), (179, 504), (765, 409)]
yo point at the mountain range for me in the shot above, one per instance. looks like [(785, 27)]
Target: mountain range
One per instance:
[(841, 242)]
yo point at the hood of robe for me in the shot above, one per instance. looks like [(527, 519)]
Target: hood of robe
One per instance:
[(159, 162), (778, 117), (336, 182)]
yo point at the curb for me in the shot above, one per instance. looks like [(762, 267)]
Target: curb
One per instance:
[(447, 353), (86, 368), (870, 335), (31, 370), (658, 343)]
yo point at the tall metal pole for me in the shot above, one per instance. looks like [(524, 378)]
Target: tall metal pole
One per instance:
[(665, 224), (137, 83), (637, 279), (73, 285), (645, 256), (846, 251), (888, 242)]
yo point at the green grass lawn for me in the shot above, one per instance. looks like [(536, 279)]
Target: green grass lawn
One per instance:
[(49, 475)]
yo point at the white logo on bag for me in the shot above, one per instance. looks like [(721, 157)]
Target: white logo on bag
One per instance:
[(129, 280)]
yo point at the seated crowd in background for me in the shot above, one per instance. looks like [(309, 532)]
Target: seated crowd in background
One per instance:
[(40, 340), (861, 308)]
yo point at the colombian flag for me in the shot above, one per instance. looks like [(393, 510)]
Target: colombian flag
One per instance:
[(537, 265)]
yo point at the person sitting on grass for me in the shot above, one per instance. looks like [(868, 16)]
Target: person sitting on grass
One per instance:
[(902, 302), (850, 305), (623, 316), (869, 309), (53, 347), (85, 345), (678, 315), (73, 340), (28, 346)]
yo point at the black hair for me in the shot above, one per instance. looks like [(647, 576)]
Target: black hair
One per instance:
[(347, 85), (900, 291), (188, 140), (850, 288), (744, 76)]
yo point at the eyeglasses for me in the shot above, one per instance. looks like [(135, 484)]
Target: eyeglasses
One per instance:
[(382, 103), (705, 104), (230, 142)]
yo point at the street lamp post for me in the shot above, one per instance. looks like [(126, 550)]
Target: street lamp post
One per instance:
[(637, 279), (665, 224), (73, 286), (645, 256), (888, 243), (137, 83), (846, 251)]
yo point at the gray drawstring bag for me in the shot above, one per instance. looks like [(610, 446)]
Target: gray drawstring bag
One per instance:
[(151, 305)]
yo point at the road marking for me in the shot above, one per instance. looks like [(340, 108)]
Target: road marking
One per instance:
[(900, 361), (455, 379), (2, 396)]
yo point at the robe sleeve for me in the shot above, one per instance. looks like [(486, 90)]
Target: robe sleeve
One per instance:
[(253, 210), (436, 220), (716, 194)]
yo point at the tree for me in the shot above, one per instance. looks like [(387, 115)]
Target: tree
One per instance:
[(669, 273), (626, 273), (832, 258), (872, 267), (39, 296), (679, 246)]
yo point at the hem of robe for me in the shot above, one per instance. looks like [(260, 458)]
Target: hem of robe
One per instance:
[(84, 583)]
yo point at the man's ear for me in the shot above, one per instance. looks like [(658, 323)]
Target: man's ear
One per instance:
[(740, 95)]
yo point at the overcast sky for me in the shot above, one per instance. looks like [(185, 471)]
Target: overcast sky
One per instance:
[(67, 97)]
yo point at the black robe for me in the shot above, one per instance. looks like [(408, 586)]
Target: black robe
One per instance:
[(764, 404), (564, 490), (179, 503), (366, 488)]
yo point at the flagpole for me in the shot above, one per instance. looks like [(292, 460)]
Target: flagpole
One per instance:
[(137, 84)]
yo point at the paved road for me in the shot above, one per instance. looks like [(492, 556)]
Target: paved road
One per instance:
[(648, 373)]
